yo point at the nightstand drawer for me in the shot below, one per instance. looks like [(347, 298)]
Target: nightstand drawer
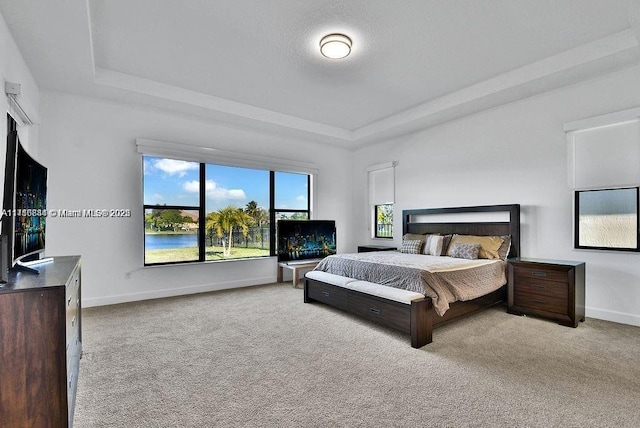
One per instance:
[(541, 273), (558, 290), (545, 303)]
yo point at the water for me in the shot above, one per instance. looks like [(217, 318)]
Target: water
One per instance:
[(165, 241)]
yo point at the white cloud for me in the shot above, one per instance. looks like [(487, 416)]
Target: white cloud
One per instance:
[(301, 198), (192, 186), (213, 191), (175, 167)]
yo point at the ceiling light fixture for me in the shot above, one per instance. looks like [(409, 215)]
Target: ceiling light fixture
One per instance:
[(335, 46)]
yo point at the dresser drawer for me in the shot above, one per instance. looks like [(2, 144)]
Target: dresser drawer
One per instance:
[(72, 313), (331, 295), (559, 290), (542, 273), (393, 314), (544, 303)]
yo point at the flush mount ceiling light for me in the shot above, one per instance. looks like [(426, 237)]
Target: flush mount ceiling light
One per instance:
[(335, 46)]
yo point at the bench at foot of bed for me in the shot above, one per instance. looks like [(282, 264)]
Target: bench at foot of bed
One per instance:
[(402, 310)]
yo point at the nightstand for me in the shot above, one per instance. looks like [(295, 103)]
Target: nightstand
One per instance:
[(552, 289), (368, 248)]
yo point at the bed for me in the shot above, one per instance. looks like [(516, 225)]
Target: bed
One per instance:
[(373, 293)]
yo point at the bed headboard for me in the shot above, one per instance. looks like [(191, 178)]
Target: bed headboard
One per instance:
[(413, 222)]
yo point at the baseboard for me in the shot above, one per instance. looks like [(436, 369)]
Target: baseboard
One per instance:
[(173, 292), (619, 317)]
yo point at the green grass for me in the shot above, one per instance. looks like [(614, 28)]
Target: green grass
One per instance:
[(191, 253)]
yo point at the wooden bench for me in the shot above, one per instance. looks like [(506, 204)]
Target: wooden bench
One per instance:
[(295, 267)]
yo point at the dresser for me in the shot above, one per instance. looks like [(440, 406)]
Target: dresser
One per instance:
[(552, 289), (40, 344)]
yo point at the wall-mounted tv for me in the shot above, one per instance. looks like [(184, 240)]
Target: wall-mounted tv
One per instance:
[(25, 198), (305, 240)]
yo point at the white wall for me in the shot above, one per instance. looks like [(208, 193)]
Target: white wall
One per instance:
[(14, 69), (515, 153), (89, 147)]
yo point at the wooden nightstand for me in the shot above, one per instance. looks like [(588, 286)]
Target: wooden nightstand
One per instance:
[(552, 289), (368, 248)]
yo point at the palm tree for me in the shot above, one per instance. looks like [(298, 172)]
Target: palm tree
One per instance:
[(259, 217), (225, 221)]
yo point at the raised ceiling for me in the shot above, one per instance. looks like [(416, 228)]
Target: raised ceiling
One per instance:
[(414, 63)]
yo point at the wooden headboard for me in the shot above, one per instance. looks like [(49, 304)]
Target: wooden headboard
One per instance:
[(412, 224)]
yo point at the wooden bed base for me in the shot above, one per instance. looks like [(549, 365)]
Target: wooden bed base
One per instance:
[(419, 318)]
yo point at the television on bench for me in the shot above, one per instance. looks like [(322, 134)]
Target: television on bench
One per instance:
[(302, 241), (24, 211)]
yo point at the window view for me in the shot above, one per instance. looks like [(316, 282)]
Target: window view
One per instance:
[(291, 196), (233, 201), (384, 221), (237, 209), (607, 219)]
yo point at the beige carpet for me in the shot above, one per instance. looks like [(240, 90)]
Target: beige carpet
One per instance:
[(260, 357)]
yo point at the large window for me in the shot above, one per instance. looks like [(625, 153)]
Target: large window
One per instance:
[(199, 212), (607, 219)]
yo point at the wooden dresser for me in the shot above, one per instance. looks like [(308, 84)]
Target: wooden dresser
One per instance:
[(552, 289), (40, 345)]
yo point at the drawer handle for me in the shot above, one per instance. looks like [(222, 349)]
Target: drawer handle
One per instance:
[(69, 301), (539, 287), (540, 302), (73, 321), (326, 293), (375, 311), (540, 274)]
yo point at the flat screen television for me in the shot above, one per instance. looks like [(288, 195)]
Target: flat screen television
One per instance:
[(25, 200), (305, 240)]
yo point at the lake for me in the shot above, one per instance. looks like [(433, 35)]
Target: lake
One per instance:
[(163, 241)]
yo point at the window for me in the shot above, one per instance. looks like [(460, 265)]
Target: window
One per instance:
[(381, 198), (384, 221), (607, 219), (605, 174), (200, 212)]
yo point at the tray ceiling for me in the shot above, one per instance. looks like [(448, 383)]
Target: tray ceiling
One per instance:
[(256, 63)]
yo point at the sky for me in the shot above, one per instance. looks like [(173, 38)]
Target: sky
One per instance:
[(176, 182), (608, 202)]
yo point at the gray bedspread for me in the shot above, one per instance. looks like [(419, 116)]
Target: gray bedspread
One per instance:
[(444, 279)]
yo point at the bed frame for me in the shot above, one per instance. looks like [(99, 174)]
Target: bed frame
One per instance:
[(419, 318)]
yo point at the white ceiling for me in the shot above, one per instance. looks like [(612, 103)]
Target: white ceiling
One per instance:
[(256, 63)]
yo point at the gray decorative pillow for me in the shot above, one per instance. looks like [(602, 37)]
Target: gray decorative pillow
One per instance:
[(465, 251), (410, 246), (505, 248)]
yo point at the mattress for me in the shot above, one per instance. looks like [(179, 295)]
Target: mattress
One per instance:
[(444, 279)]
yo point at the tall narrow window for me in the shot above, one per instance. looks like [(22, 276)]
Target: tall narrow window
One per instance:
[(171, 210), (381, 198), (291, 196), (237, 206), (384, 221)]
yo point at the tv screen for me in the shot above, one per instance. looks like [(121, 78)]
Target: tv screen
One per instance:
[(304, 240), (26, 211)]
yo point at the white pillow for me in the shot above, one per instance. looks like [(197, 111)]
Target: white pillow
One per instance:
[(433, 246)]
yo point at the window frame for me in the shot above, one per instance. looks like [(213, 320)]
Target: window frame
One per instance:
[(576, 221), (202, 210), (376, 224)]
